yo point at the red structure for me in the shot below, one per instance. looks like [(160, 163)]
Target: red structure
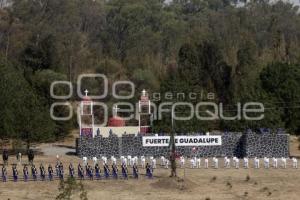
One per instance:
[(116, 121)]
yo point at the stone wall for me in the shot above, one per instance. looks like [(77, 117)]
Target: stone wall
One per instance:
[(233, 144)]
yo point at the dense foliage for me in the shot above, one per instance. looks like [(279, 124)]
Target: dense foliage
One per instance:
[(247, 53)]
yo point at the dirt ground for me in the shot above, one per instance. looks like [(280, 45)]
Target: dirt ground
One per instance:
[(198, 184)]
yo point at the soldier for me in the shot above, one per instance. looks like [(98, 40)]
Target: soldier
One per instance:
[(15, 173), (80, 172), (295, 163), (19, 158), (57, 169), (90, 172), (30, 156), (206, 163), (125, 171), (246, 163), (61, 171), (97, 171), (34, 172), (106, 171), (149, 171), (95, 160), (4, 173), (71, 170), (42, 172), (50, 172), (135, 171), (5, 157), (114, 171), (25, 173)]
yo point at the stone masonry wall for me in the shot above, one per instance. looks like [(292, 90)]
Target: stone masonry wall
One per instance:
[(233, 144)]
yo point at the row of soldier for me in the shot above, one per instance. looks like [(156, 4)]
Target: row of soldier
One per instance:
[(83, 171), (196, 162)]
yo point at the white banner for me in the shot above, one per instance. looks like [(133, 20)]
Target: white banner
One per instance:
[(163, 141)]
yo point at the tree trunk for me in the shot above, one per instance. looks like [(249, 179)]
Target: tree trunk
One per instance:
[(173, 156)]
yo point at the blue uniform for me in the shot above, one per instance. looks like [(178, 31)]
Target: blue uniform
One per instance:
[(15, 174), (90, 172), (43, 174), (106, 171), (4, 174), (50, 172), (80, 172), (115, 171), (135, 172), (124, 171), (61, 171), (149, 171), (71, 171), (97, 171), (25, 173), (34, 173)]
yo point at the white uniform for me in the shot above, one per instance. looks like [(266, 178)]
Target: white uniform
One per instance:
[(256, 163), (275, 163), (143, 161), (84, 159), (283, 163), (295, 163), (246, 163), (216, 162), (206, 163), (266, 163), (182, 161), (198, 163)]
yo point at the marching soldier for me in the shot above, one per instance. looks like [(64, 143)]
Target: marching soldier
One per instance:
[(149, 171), (15, 173), (71, 170), (97, 171), (42, 172), (61, 171), (115, 171), (4, 173), (124, 171), (135, 171), (50, 172), (57, 169), (25, 173), (80, 172), (5, 157), (30, 156), (34, 172), (106, 171), (90, 172)]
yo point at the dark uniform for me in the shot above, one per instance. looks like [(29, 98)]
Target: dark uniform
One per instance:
[(57, 169), (71, 170), (90, 172), (4, 174), (115, 171), (135, 171), (34, 172), (5, 156), (61, 171), (106, 171), (97, 171), (42, 172), (15, 173), (149, 171), (80, 172), (124, 171), (25, 173), (50, 172)]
